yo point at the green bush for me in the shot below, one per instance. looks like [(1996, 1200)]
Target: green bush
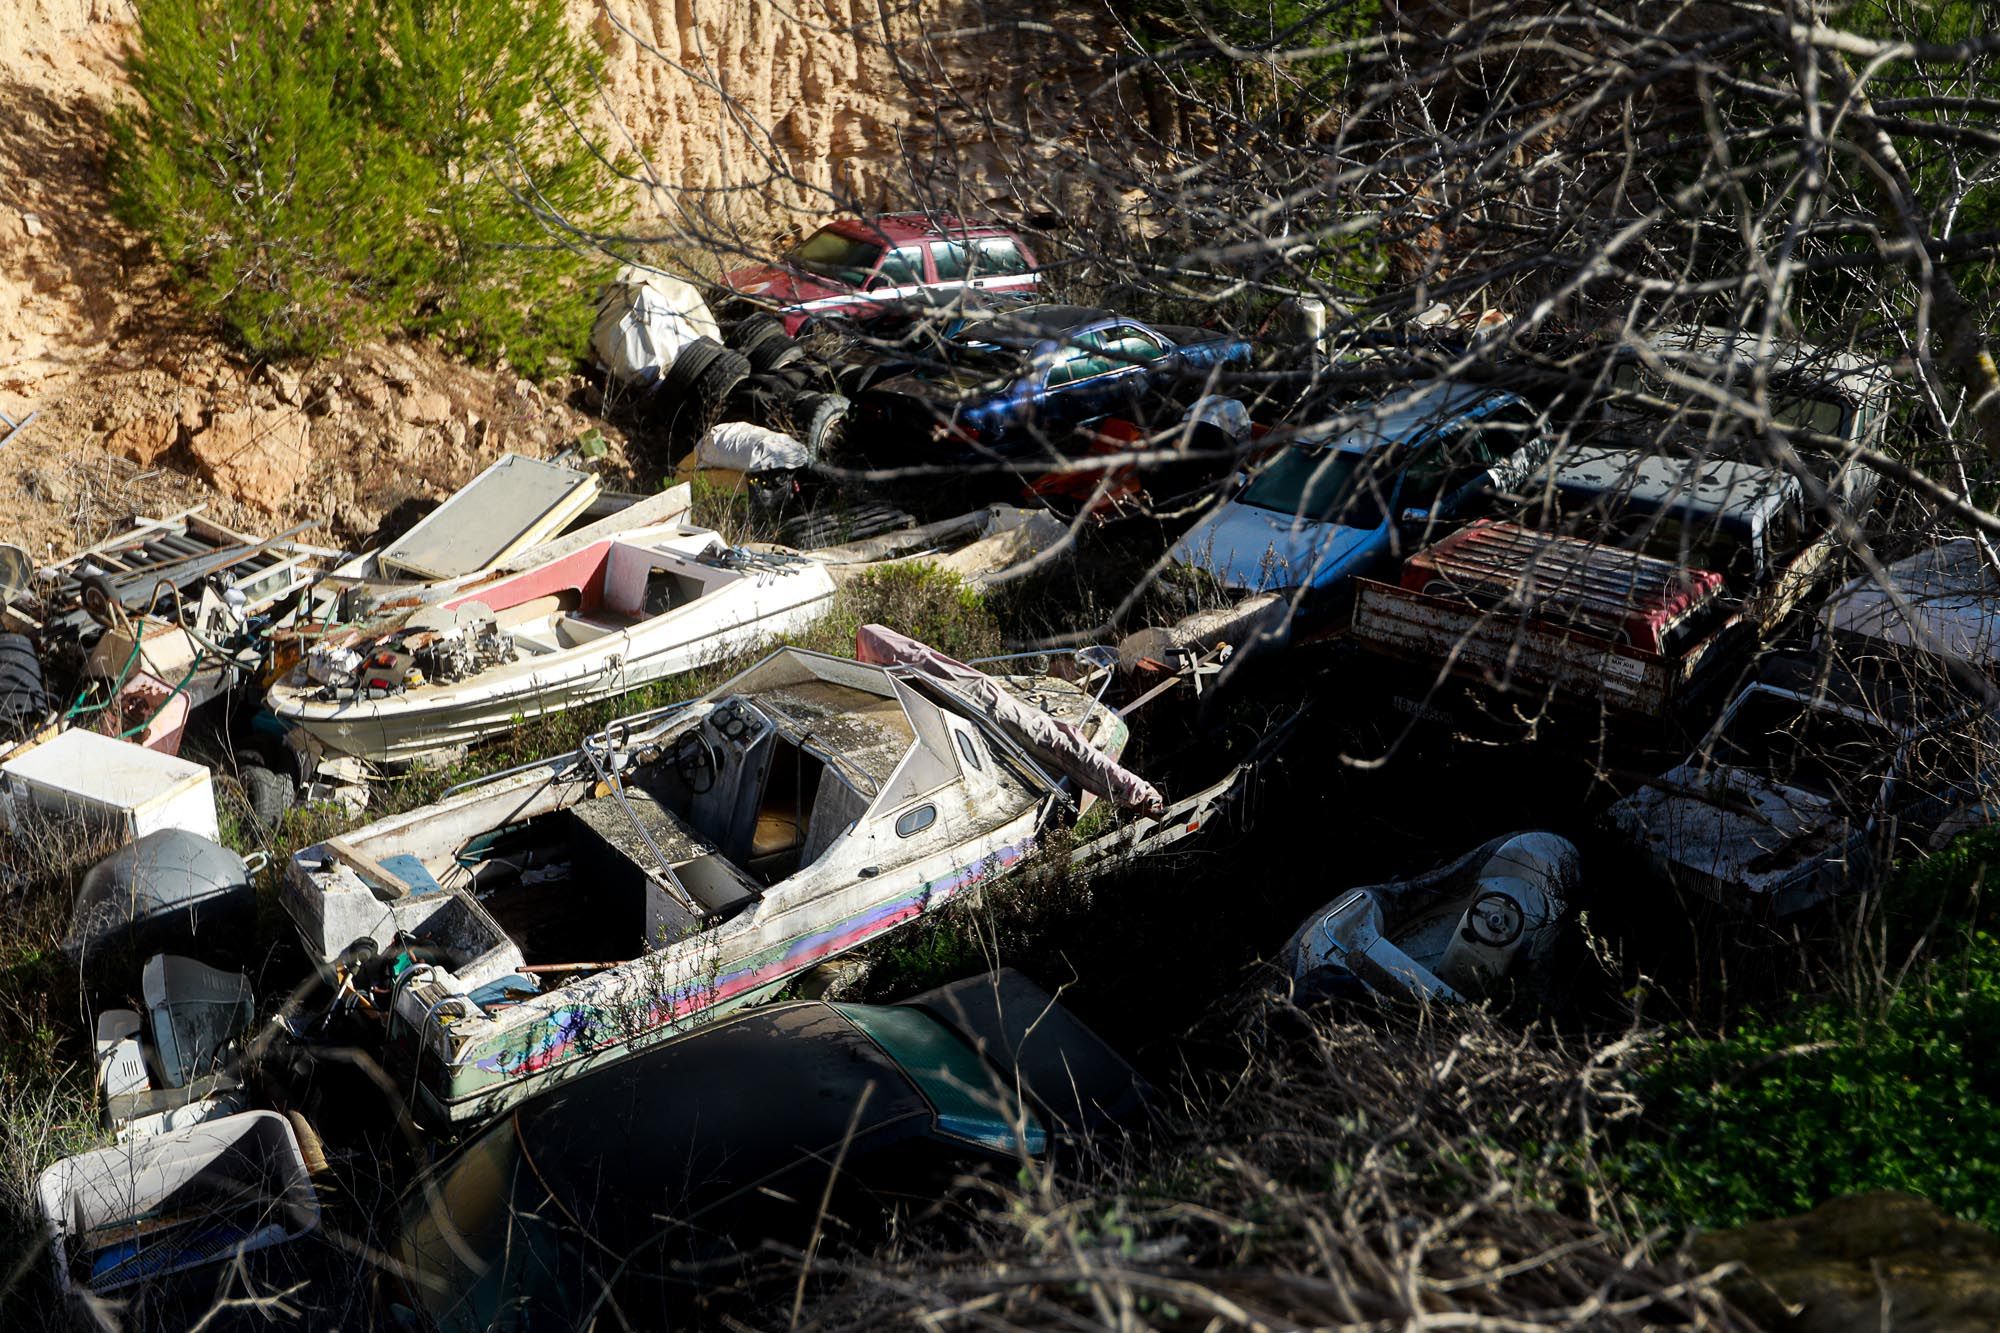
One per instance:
[(1896, 1089), (321, 171)]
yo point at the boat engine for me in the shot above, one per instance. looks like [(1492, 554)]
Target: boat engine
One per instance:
[(464, 650)]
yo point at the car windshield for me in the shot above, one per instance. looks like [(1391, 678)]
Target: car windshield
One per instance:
[(1813, 749), (962, 1091), (832, 255), (1317, 485)]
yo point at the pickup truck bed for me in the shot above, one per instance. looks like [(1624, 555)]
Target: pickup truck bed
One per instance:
[(1546, 615)]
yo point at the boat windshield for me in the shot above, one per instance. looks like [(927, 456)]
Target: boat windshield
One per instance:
[(831, 255), (1351, 487)]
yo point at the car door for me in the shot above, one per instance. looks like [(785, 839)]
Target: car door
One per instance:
[(1083, 382), (902, 273), (1001, 264), (1447, 472)]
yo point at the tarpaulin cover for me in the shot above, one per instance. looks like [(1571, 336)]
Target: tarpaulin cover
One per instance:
[(743, 447), (644, 318), (1054, 742)]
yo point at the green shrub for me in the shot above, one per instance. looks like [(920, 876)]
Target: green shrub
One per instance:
[(1893, 1086), (320, 171)]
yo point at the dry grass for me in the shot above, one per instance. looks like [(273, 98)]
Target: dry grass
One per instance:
[(1426, 1172)]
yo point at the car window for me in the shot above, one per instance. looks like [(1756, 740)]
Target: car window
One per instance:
[(998, 257), (1507, 428), (903, 267), (831, 255), (1315, 485), (958, 1084), (951, 258), (1814, 749), (1450, 461), (1126, 345)]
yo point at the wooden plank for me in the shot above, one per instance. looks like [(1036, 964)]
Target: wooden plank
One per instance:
[(387, 886)]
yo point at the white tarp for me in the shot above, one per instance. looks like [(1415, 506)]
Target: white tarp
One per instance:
[(743, 447), (644, 318), (1049, 739)]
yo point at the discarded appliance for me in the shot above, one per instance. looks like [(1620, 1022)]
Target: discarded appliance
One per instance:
[(132, 790), (597, 622), (193, 1013), (155, 1206), (169, 891), (1804, 786), (692, 859), (644, 319), (1487, 921)]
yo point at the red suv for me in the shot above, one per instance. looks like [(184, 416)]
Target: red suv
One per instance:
[(856, 268)]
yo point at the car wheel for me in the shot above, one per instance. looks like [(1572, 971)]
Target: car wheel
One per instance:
[(24, 700), (817, 421), (270, 794), (748, 332), (720, 377), (689, 366)]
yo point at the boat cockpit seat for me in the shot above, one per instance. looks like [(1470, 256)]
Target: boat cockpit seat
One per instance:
[(778, 832)]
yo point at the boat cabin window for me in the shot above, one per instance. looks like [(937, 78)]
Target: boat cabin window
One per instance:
[(913, 822), (968, 748)]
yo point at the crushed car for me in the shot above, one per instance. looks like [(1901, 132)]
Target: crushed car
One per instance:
[(1004, 397), (1810, 781)]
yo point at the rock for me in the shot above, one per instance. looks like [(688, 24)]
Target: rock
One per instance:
[(143, 439), (326, 403), (455, 431), (32, 224), (284, 383), (1863, 1263), (194, 411), (258, 455), (376, 396), (429, 408)]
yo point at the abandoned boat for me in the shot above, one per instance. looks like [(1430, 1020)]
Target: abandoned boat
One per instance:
[(691, 860), (1459, 933), (589, 624)]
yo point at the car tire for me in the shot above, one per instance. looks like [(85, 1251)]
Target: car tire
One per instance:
[(818, 420), (689, 366), (270, 794), (720, 377), (746, 333), (24, 697)]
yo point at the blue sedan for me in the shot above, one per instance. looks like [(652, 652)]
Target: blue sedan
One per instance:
[(1328, 507), (1012, 390)]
